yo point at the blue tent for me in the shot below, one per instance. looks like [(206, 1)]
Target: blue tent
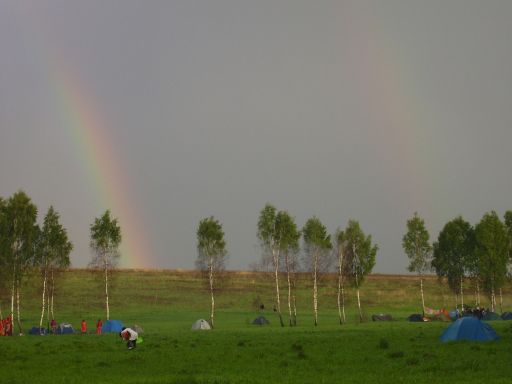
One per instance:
[(469, 328), (507, 316), (489, 316), (415, 317), (37, 331), (65, 329), (112, 326)]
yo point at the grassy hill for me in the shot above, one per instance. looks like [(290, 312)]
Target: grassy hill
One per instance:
[(166, 303), (141, 295)]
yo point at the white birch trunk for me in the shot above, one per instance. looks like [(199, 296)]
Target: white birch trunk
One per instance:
[(211, 291), (13, 291), (359, 306), (501, 301), (339, 299), (315, 288), (18, 309), (343, 303), (340, 266), (357, 285), (287, 262), (50, 299), (44, 298), (461, 295), (422, 295), (275, 255), (106, 290)]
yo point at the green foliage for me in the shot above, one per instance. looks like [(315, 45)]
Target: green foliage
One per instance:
[(359, 252), (315, 236), (210, 244), (53, 244), (267, 227), (492, 247), (19, 234), (286, 232), (105, 241), (508, 223), (416, 245), (454, 252)]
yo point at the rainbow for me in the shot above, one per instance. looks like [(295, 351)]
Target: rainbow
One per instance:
[(388, 86), (103, 164), (95, 148)]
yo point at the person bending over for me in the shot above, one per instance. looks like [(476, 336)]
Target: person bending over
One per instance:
[(130, 336)]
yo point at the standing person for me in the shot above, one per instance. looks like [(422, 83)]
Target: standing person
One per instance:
[(83, 327), (99, 324), (130, 336), (53, 325)]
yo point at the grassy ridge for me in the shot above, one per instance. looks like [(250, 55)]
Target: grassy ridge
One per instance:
[(135, 293), (166, 303)]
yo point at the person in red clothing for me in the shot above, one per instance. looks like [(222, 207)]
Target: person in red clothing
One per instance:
[(99, 324), (53, 325), (8, 326), (83, 327)]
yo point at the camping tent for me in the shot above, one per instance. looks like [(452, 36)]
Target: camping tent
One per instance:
[(260, 321), (469, 328), (507, 316), (64, 329), (415, 317), (382, 317), (37, 331), (490, 316), (110, 326), (201, 324)]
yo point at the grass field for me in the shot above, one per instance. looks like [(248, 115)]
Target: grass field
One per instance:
[(166, 303)]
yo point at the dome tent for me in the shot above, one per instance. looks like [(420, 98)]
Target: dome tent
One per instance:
[(64, 329), (201, 325), (112, 326), (260, 321), (469, 328)]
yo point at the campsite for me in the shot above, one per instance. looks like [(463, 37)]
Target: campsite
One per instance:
[(167, 303)]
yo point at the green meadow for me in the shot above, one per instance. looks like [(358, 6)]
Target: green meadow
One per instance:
[(166, 303)]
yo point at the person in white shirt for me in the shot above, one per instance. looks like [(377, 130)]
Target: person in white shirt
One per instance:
[(130, 336)]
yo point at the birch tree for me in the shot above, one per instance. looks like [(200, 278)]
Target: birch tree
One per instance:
[(317, 244), (18, 236), (418, 249), (270, 241), (105, 241), (492, 246), (453, 251), (212, 253), (53, 251), (289, 237), (359, 255), (342, 266)]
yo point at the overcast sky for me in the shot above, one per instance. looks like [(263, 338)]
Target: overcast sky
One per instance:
[(366, 110)]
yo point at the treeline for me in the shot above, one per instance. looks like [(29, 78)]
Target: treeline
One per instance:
[(479, 255), (25, 246), (350, 250), (27, 249)]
